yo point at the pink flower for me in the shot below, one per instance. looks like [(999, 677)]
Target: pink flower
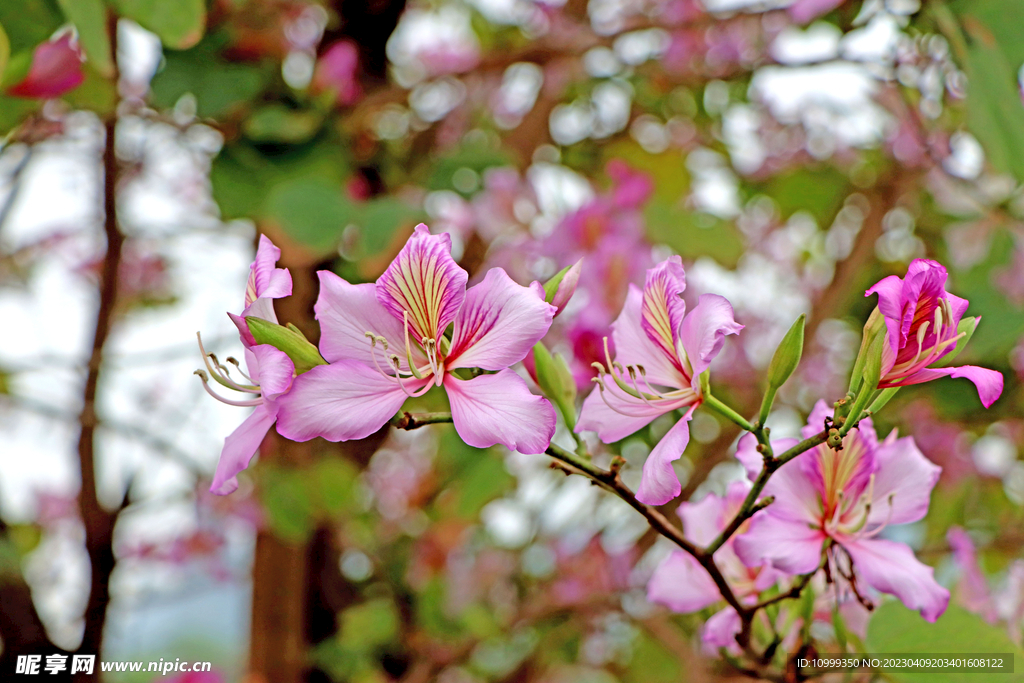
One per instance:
[(56, 68), (408, 310), (921, 319), (682, 585), (657, 345), (270, 371), (973, 591), (336, 72), (806, 11), (846, 497)]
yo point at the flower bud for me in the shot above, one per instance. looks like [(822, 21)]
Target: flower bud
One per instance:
[(556, 381), (289, 340), (784, 361), (874, 327), (559, 289)]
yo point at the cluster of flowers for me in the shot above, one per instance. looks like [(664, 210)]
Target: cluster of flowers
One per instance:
[(419, 327)]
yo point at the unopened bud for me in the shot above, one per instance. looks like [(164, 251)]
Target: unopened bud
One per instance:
[(559, 289), (289, 340), (556, 381), (784, 361)]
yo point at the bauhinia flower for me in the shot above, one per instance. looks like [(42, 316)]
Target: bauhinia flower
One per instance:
[(921, 320), (682, 585), (270, 371), (388, 341), (661, 350), (56, 69), (838, 502)]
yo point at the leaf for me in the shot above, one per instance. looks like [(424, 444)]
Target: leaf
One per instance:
[(652, 662), (692, 235), (334, 483), (369, 625), (5, 51), (90, 20), (311, 211), (894, 629), (178, 23), (819, 191), (219, 86), (994, 112), (278, 123), (291, 513), (29, 22), (1003, 18)]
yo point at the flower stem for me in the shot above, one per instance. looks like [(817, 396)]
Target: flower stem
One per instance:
[(727, 412)]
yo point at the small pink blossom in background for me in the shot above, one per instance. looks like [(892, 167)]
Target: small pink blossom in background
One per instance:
[(806, 11), (451, 58), (921, 320), (384, 342), (337, 71), (657, 344), (56, 68), (682, 585), (197, 677), (972, 589), (848, 497)]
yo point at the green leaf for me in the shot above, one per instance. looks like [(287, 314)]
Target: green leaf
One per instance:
[(994, 112), (819, 191), (278, 123), (370, 625), (220, 87), (693, 235), (310, 210), (179, 24), (291, 512), (784, 361), (29, 22), (5, 51), (895, 629), (302, 353), (556, 381), (90, 20), (334, 483), (652, 662)]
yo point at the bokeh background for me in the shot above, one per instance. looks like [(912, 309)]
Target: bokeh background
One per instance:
[(791, 153)]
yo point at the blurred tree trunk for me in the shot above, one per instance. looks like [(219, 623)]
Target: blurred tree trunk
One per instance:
[(277, 649)]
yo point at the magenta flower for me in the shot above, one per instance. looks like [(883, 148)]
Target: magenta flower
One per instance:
[(806, 11), (682, 585), (408, 310), (270, 371), (847, 497), (56, 68), (660, 353), (921, 319), (337, 72)]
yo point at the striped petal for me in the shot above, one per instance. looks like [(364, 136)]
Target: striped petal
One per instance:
[(663, 308), (265, 278), (424, 284)]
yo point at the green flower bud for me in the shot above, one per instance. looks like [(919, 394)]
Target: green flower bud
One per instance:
[(289, 339), (556, 381)]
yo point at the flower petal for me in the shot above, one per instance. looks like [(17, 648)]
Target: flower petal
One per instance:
[(425, 282), (790, 546), (498, 324), (274, 369), (239, 447), (634, 347), (660, 483), (972, 588), (703, 331), (265, 279), (702, 521), (796, 494), (612, 417), (346, 312), (663, 307), (903, 483), (891, 567), (682, 585), (340, 401), (499, 408), (988, 382), (720, 630), (751, 459)]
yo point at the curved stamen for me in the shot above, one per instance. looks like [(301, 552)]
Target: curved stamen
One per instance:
[(401, 383), (216, 371), (238, 368), (241, 404), (373, 356), (408, 346)]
